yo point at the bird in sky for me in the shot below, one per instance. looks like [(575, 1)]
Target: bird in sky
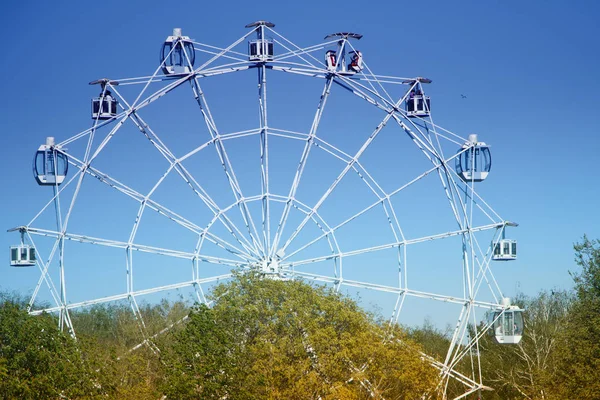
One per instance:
[(463, 96)]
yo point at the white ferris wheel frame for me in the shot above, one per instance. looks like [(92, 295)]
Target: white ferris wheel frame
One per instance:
[(260, 245)]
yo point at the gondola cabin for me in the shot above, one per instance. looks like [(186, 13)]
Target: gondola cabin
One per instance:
[(508, 325), (505, 250), (417, 105), (177, 55), (49, 165), (356, 61), (104, 107), (474, 161), (260, 50), (22, 256), (331, 60)]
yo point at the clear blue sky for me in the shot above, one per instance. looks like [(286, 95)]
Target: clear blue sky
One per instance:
[(528, 70)]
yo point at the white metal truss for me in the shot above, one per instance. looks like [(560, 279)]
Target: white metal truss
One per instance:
[(268, 241)]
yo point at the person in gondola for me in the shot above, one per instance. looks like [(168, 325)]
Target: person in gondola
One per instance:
[(499, 330), (355, 63), (107, 102)]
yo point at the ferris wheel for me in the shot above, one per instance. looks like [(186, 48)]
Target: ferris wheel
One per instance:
[(262, 155)]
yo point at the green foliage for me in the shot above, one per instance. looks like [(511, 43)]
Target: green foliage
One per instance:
[(274, 339), (116, 326), (435, 342), (108, 333), (131, 375), (37, 361), (271, 339), (579, 353)]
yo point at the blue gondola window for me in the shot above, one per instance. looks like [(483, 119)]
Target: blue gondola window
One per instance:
[(179, 53)]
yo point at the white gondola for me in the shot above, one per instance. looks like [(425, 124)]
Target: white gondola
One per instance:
[(417, 105), (177, 55), (337, 60), (49, 165), (104, 107), (508, 324), (22, 255), (474, 162), (260, 50), (505, 250), (356, 61)]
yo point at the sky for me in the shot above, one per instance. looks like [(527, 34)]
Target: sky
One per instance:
[(519, 74)]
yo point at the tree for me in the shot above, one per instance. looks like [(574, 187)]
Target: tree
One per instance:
[(275, 339), (108, 335), (37, 361), (579, 353), (527, 370)]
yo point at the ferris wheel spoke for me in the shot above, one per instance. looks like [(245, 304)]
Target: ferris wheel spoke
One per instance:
[(149, 81), (406, 242), (477, 199), (264, 158), (457, 337), (227, 167), (136, 293), (199, 73), (86, 164), (370, 95), (232, 229), (473, 342), (343, 83), (320, 72), (455, 190), (60, 190), (295, 69), (220, 52), (391, 289), (297, 51), (192, 182), (365, 210), (442, 169), (445, 172), (164, 211), (451, 137), (459, 207), (344, 157), (225, 51), (372, 79), (451, 373), (451, 299), (397, 307), (349, 166), (219, 214), (136, 247), (423, 142), (44, 278), (319, 223), (303, 158), (62, 225), (485, 272), (287, 134), (346, 282)]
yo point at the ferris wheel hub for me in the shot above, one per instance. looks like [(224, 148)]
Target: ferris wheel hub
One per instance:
[(269, 267)]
